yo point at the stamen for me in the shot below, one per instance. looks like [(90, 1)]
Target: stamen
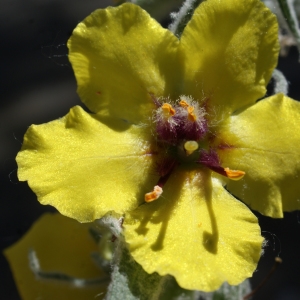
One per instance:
[(234, 174), (190, 147), (154, 195), (157, 190), (190, 109), (191, 115), (166, 123), (168, 110), (183, 104), (210, 159)]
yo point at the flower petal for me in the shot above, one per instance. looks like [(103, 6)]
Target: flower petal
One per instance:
[(62, 245), (263, 141), (196, 232), (85, 168), (120, 57), (231, 50)]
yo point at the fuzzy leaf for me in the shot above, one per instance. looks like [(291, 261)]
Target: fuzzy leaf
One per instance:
[(181, 18), (129, 281), (280, 83)]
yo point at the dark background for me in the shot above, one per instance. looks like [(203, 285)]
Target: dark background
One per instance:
[(37, 85)]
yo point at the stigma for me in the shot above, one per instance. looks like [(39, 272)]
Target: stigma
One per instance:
[(190, 147)]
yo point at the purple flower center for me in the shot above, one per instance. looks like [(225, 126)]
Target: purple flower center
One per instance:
[(181, 130)]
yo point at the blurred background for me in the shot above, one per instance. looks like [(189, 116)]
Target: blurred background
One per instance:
[(37, 85)]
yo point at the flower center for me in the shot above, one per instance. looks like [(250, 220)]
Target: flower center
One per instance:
[(181, 128)]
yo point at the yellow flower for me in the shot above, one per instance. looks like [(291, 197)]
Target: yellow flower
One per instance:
[(173, 122), (62, 246)]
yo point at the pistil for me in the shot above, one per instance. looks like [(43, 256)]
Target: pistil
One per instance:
[(190, 147)]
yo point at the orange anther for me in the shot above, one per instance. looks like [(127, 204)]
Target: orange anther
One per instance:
[(183, 103), (168, 109), (234, 174), (191, 116), (154, 195), (190, 109)]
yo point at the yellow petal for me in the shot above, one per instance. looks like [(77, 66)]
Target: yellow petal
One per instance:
[(62, 245), (85, 168), (120, 57), (264, 142), (197, 232), (231, 50)]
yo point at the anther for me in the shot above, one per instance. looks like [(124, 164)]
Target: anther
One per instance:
[(190, 147), (165, 173), (191, 115), (154, 195), (168, 110), (210, 159), (234, 174), (190, 109), (183, 104)]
